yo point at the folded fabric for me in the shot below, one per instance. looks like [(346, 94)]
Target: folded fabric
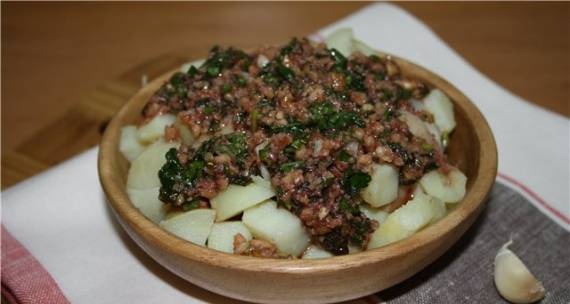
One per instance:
[(62, 219)]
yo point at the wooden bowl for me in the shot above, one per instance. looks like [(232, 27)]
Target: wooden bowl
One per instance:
[(472, 149)]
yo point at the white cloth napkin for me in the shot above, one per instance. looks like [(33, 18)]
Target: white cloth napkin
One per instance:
[(62, 218)]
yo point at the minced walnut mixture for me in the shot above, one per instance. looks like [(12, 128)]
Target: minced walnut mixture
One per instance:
[(304, 116)]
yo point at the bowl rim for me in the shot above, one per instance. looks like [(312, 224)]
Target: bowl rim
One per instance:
[(151, 232)]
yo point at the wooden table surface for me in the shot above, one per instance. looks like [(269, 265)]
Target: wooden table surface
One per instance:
[(66, 67)]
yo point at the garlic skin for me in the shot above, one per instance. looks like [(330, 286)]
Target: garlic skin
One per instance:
[(513, 280)]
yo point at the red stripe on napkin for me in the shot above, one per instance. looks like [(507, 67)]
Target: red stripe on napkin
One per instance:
[(535, 196), (24, 280)]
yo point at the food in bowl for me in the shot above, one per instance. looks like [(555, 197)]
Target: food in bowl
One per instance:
[(293, 152)]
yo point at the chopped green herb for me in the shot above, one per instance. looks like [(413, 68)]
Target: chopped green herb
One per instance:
[(226, 88), (178, 84), (345, 206), (177, 79), (241, 81), (361, 227), (294, 146), (295, 128), (209, 109), (375, 58), (340, 61), (270, 79), (236, 145), (404, 94), (288, 49), (355, 81), (213, 70), (354, 181), (254, 119), (387, 95), (384, 134), (344, 156), (239, 180), (389, 113), (191, 205), (192, 71), (173, 173), (287, 167), (285, 72), (264, 153), (326, 118), (220, 59)]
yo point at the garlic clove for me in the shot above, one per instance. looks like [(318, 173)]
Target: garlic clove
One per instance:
[(513, 280)]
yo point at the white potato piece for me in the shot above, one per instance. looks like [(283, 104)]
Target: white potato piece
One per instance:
[(437, 206), (362, 47), (439, 105), (185, 133), (129, 144), (143, 173), (383, 186), (262, 181), (193, 226), (316, 252), (449, 188), (418, 105), (403, 222), (417, 126), (186, 66), (374, 213), (146, 200), (222, 235), (436, 133), (235, 199), (278, 226), (341, 40), (154, 129)]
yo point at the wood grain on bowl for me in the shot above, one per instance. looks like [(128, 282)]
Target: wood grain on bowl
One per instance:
[(472, 148)]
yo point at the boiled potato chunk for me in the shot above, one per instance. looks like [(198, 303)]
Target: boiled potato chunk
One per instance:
[(235, 199), (341, 40), (262, 181), (222, 236), (154, 129), (129, 144), (436, 133), (143, 173), (193, 226), (146, 200), (449, 188), (316, 252), (374, 214), (403, 222), (438, 208), (439, 105), (362, 47), (383, 186), (197, 63), (417, 127), (278, 226), (185, 134)]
